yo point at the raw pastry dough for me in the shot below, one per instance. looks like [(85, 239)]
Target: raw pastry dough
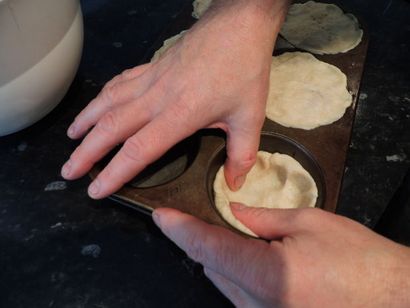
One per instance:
[(321, 28), (276, 181), (305, 92), (168, 43), (200, 7)]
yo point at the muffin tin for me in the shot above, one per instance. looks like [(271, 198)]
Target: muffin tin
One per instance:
[(183, 177)]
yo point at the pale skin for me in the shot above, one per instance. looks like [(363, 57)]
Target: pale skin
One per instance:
[(222, 83), (217, 77), (311, 259)]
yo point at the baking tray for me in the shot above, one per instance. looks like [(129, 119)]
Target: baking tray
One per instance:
[(182, 178)]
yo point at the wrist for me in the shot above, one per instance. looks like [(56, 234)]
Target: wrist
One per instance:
[(270, 9), (252, 22), (266, 13)]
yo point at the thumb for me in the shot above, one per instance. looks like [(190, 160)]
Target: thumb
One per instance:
[(216, 248), (269, 223), (241, 148)]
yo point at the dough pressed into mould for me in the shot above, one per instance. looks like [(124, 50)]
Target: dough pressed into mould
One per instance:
[(305, 92), (200, 7), (168, 43), (276, 181), (321, 28)]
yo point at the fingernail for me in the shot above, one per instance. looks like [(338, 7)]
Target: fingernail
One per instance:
[(94, 188), (157, 219), (71, 130), (239, 180), (66, 170), (237, 206)]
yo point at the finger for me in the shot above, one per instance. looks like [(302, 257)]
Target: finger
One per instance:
[(113, 128), (242, 147), (271, 224), (146, 146), (120, 90), (220, 250), (236, 295)]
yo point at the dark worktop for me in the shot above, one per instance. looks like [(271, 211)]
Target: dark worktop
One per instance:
[(58, 248)]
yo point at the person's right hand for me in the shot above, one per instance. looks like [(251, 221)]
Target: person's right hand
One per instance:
[(313, 259)]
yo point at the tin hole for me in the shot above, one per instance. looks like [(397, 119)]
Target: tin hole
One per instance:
[(275, 143)]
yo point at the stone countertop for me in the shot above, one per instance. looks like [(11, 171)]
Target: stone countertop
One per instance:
[(58, 248)]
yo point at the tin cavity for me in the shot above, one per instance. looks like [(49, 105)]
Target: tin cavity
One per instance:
[(275, 143)]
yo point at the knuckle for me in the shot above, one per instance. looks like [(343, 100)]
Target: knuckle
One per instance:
[(83, 114), (107, 175), (199, 245), (79, 160), (195, 248), (113, 81), (75, 156), (126, 74), (259, 213), (79, 116), (209, 250), (132, 150), (108, 123), (249, 161), (244, 163), (110, 94)]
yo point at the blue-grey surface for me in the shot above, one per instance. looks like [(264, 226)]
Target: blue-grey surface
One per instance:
[(58, 248)]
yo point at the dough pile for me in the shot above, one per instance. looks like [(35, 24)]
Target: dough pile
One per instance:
[(276, 181), (321, 28), (305, 92), (200, 7), (168, 43)]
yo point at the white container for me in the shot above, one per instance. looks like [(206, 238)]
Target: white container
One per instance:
[(40, 49)]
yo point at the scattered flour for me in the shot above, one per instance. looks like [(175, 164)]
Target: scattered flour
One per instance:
[(92, 250), (362, 96), (22, 146), (57, 185), (396, 158), (57, 225)]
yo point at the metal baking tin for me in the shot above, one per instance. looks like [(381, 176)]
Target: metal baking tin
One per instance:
[(183, 178)]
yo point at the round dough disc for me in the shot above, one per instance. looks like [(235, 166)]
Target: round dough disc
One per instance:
[(321, 28), (305, 92), (168, 43), (276, 181), (200, 7)]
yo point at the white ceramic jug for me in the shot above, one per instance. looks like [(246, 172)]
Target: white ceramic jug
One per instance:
[(40, 49)]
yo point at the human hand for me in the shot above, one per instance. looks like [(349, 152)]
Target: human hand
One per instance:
[(313, 259), (215, 77)]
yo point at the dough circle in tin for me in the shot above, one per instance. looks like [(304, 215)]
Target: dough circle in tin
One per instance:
[(276, 181), (321, 28), (305, 92)]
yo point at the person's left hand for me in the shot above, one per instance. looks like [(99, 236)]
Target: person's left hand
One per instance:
[(215, 76)]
